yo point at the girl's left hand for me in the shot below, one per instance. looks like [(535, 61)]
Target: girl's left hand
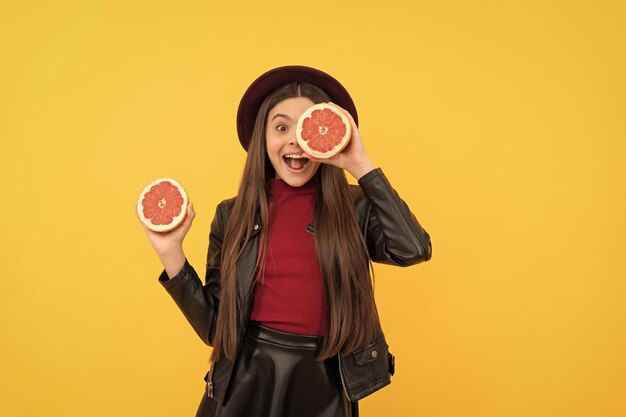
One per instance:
[(353, 157)]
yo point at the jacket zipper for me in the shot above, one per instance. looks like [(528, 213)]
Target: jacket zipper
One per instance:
[(343, 384), (209, 383)]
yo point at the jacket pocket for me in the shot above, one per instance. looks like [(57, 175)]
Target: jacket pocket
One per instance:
[(208, 378), (217, 379), (366, 370)]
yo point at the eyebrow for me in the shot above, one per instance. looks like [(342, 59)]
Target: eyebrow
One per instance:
[(283, 115)]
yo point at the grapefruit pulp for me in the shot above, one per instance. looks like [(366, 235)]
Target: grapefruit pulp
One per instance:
[(162, 205), (323, 130)]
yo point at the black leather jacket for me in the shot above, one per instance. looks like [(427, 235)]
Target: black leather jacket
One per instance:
[(393, 236)]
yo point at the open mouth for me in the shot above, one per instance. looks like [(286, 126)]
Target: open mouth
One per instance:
[(295, 162)]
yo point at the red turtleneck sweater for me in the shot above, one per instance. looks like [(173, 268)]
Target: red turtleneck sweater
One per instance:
[(290, 296)]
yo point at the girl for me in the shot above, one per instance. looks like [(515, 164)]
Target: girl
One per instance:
[(288, 304)]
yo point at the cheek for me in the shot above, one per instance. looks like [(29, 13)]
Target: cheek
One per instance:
[(270, 143), (271, 151)]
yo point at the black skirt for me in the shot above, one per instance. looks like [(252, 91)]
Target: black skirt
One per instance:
[(277, 375)]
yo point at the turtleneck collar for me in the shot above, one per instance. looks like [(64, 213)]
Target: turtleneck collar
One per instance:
[(278, 186)]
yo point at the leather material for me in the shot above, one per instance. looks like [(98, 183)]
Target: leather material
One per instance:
[(393, 236), (277, 375)]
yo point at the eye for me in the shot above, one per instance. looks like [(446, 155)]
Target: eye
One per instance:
[(281, 128)]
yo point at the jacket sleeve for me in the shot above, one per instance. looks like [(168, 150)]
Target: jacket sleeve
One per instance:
[(199, 303), (392, 233)]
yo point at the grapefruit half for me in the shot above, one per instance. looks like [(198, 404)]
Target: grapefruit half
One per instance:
[(323, 130), (162, 205)]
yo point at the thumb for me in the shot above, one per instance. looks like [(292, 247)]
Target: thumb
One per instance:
[(186, 224), (190, 211)]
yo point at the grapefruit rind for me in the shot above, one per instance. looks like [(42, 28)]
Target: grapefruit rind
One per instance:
[(176, 220), (337, 148)]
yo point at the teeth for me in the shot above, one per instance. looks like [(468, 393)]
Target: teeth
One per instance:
[(294, 156)]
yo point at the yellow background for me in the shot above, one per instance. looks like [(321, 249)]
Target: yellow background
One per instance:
[(502, 124)]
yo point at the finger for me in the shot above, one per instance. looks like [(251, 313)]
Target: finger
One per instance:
[(191, 214), (190, 211)]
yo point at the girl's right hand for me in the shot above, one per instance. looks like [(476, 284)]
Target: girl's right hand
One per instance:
[(169, 245), (165, 242)]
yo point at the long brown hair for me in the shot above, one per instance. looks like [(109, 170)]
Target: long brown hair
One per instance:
[(341, 249)]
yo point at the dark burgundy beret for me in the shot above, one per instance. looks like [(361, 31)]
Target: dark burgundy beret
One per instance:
[(278, 77)]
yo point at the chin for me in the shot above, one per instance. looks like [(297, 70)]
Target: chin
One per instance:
[(297, 180)]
